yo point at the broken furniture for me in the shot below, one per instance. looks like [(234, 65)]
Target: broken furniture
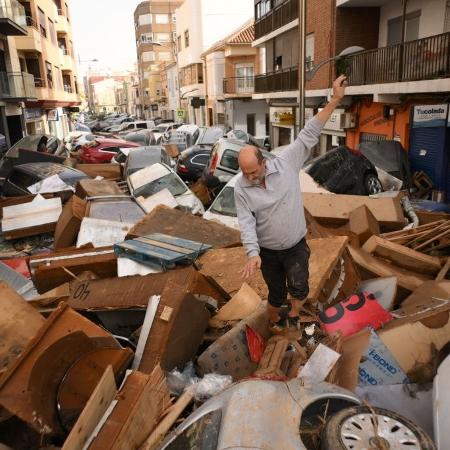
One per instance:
[(160, 251), (53, 378)]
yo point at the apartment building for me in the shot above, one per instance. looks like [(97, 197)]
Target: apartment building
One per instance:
[(16, 86), (277, 38), (199, 24), (46, 52), (399, 85), (230, 67), (155, 43), (113, 93)]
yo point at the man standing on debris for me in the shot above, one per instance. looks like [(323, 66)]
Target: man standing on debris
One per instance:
[(271, 216)]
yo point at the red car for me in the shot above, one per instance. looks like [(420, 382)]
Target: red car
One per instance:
[(102, 150)]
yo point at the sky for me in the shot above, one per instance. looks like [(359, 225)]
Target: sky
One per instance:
[(104, 30)]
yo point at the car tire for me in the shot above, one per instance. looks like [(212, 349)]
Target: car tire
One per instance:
[(353, 429), (372, 184)]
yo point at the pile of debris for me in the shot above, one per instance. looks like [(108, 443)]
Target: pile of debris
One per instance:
[(126, 330)]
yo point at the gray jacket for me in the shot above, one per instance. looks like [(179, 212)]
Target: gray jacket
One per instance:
[(273, 217)]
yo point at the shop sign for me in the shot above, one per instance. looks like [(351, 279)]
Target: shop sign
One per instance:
[(181, 113), (430, 116), (33, 113), (282, 116), (52, 115)]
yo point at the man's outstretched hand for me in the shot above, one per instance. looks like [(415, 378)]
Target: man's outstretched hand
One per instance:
[(253, 264), (339, 86)]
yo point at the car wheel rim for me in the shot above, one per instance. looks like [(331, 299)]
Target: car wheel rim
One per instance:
[(374, 186), (358, 433)]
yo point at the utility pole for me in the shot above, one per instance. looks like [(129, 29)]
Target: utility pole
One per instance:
[(301, 62)]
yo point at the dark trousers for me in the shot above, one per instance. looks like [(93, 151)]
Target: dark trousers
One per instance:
[(286, 271)]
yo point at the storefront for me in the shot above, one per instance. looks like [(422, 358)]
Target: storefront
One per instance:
[(282, 122), (333, 133), (430, 146), (35, 121)]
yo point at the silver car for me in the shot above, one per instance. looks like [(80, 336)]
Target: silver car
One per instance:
[(275, 415)]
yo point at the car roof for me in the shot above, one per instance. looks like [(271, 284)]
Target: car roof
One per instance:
[(196, 149), (113, 141)]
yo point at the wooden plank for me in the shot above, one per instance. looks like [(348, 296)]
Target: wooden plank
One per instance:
[(19, 323), (337, 208), (412, 231), (443, 273), (406, 279), (184, 225), (429, 233), (402, 256), (140, 404), (94, 410), (363, 223), (166, 424), (431, 240)]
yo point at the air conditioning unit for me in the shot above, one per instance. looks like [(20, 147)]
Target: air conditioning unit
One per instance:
[(347, 120)]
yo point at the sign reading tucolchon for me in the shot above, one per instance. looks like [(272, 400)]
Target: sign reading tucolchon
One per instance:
[(430, 116)]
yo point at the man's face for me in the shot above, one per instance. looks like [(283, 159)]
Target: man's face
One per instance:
[(255, 172)]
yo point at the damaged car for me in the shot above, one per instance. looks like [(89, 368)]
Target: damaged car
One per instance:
[(344, 171), (151, 180)]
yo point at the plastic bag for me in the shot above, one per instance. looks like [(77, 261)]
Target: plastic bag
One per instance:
[(210, 385)]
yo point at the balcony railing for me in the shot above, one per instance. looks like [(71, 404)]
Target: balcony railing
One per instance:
[(12, 18), (239, 85), (32, 23), (423, 59), (68, 88), (17, 85), (276, 18), (278, 81), (39, 82)]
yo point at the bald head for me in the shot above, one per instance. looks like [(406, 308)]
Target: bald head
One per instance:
[(252, 164)]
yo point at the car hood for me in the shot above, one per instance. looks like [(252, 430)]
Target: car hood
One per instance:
[(189, 200)]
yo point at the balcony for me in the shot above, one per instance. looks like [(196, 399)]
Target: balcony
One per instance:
[(423, 59), (33, 40), (62, 25), (239, 86), (17, 86), (279, 81), (276, 18), (12, 18)]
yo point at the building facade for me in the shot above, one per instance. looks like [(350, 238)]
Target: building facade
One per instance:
[(277, 38), (46, 52), (230, 66), (199, 24), (155, 43)]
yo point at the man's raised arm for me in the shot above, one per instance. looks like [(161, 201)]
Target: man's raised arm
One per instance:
[(298, 152)]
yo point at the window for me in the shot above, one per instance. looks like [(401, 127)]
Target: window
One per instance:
[(309, 56), (230, 160), (186, 38), (148, 56), (162, 19), (110, 149), (394, 32), (162, 37), (262, 8), (58, 78), (145, 19), (49, 73), (174, 18), (51, 30), (147, 37), (42, 23), (179, 43), (200, 160), (164, 56)]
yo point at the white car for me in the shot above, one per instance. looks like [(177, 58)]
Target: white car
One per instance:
[(223, 209), (157, 177), (76, 139)]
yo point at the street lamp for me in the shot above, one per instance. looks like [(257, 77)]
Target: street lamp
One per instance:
[(346, 52)]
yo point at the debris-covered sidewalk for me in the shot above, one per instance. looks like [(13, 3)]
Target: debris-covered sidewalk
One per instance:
[(125, 327)]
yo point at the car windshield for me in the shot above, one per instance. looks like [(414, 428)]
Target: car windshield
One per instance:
[(210, 136), (169, 181), (27, 143), (224, 203), (161, 128)]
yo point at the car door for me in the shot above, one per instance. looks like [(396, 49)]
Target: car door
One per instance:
[(199, 162)]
